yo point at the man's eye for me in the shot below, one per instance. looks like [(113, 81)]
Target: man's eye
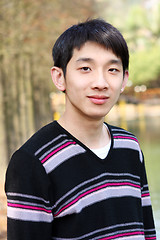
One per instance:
[(85, 69), (113, 70)]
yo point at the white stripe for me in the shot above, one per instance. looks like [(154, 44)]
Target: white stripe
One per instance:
[(104, 229), (149, 230), (52, 149), (139, 237), (29, 215), (26, 196), (29, 204), (125, 135), (121, 130), (95, 179), (62, 156), (143, 192), (145, 186), (100, 195), (131, 144), (47, 144), (146, 201), (130, 231), (94, 186), (121, 143)]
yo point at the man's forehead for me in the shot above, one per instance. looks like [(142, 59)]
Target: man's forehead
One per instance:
[(115, 60), (90, 50)]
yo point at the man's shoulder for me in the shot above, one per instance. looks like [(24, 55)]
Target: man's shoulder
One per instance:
[(118, 130), (44, 135), (125, 139), (119, 133)]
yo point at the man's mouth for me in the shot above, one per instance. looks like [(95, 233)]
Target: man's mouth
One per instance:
[(98, 99)]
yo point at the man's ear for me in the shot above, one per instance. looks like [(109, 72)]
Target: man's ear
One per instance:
[(58, 78), (125, 80)]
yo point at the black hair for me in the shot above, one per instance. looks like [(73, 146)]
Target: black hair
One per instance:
[(95, 30)]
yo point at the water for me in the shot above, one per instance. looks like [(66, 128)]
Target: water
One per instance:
[(148, 133)]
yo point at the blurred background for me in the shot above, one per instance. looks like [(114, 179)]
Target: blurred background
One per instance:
[(28, 99)]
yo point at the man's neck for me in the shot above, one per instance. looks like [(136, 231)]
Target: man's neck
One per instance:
[(91, 133)]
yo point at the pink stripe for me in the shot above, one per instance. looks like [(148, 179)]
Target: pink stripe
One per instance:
[(150, 238), (28, 207), (146, 195), (58, 149), (122, 235), (95, 189), (131, 138)]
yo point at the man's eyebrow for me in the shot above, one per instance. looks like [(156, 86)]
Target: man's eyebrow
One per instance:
[(84, 59), (87, 59), (115, 61)]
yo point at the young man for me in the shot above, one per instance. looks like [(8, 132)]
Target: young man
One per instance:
[(80, 178)]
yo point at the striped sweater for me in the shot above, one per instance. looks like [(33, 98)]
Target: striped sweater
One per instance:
[(59, 189)]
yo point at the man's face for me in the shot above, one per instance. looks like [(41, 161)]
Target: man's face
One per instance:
[(93, 82)]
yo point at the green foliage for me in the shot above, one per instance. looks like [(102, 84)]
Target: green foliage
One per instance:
[(145, 65), (143, 32), (137, 18)]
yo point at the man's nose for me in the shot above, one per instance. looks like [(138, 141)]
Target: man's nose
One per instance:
[(100, 81)]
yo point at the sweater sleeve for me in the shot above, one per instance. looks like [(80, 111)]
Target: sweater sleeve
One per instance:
[(149, 228), (28, 190)]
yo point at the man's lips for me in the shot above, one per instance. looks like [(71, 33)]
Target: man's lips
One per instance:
[(98, 99)]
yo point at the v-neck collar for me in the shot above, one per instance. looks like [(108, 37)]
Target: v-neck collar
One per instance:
[(88, 150)]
